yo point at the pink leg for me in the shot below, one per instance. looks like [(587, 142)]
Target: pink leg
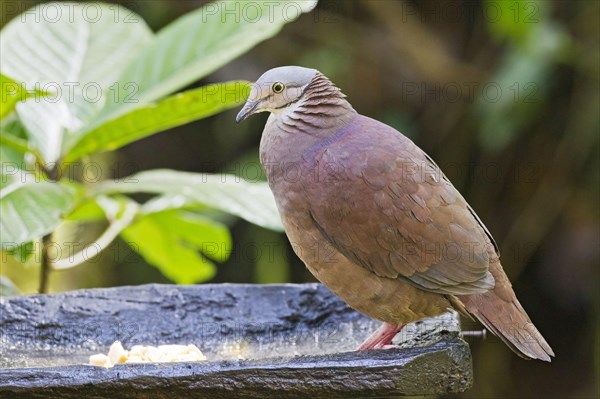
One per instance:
[(382, 337)]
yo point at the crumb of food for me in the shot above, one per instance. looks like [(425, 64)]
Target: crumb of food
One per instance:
[(117, 354), (99, 360), (147, 354)]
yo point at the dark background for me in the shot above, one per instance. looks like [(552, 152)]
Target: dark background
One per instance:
[(509, 109)]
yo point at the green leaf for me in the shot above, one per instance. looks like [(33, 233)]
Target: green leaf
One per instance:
[(171, 201), (202, 41), (11, 160), (172, 241), (11, 93), (22, 252), (173, 111), (87, 210), (120, 212), (77, 56), (12, 126), (210, 237), (32, 209), (13, 150), (513, 19), (251, 201)]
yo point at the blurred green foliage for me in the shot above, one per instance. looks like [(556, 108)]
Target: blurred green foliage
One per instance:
[(183, 239), (526, 158), (45, 132), (537, 44)]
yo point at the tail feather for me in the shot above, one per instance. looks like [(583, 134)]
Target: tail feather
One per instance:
[(501, 313)]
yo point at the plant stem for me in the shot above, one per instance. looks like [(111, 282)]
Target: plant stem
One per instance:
[(20, 145), (13, 142), (45, 266), (54, 175)]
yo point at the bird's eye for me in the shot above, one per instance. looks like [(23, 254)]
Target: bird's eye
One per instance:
[(278, 87)]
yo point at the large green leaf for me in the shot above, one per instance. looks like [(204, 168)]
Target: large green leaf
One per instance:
[(211, 237), (173, 111), (32, 209), (173, 240), (251, 201), (202, 41), (77, 54)]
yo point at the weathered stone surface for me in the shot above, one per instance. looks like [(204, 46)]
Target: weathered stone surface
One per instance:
[(295, 341)]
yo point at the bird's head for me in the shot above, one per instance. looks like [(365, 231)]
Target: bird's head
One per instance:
[(276, 89)]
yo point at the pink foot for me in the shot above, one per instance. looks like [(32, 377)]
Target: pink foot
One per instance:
[(382, 337)]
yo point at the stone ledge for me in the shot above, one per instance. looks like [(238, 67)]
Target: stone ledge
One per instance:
[(296, 341)]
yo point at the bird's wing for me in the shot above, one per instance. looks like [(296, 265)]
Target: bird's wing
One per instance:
[(383, 203)]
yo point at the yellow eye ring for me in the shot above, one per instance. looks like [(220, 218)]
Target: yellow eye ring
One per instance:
[(278, 87)]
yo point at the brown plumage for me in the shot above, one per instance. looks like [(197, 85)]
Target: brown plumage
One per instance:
[(375, 219)]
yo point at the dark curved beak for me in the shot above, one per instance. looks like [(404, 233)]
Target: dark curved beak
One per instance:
[(247, 110)]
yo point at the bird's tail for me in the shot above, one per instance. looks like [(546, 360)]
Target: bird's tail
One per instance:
[(501, 313)]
